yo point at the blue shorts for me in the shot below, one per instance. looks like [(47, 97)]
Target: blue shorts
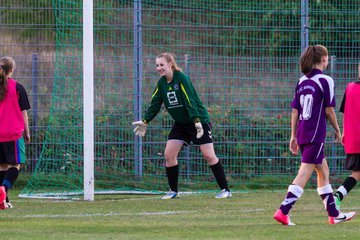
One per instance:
[(12, 152), (187, 133), (312, 153)]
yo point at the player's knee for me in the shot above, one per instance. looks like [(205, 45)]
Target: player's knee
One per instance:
[(356, 175), (169, 157), (211, 159)]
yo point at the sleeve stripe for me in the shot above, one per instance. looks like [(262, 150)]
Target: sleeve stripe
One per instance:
[(184, 91), (156, 90), (329, 81)]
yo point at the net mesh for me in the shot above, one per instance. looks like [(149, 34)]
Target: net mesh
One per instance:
[(242, 57)]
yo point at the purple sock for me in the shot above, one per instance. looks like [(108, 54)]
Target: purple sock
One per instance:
[(293, 194), (326, 194)]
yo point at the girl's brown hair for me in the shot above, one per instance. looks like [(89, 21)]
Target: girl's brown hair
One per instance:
[(311, 56), (7, 65), (169, 58)]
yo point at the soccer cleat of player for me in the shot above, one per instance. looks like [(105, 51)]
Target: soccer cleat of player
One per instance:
[(282, 218), (9, 205), (224, 194), (170, 195), (343, 217)]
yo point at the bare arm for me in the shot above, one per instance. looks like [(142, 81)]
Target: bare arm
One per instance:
[(294, 147), (331, 116), (26, 123)]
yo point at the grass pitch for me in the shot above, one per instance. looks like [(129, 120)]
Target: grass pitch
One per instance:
[(198, 216)]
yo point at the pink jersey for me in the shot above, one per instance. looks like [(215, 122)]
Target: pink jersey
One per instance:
[(351, 130), (11, 118)]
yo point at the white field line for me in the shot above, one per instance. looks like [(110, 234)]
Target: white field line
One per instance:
[(76, 200), (103, 214), (253, 210), (111, 214), (145, 198)]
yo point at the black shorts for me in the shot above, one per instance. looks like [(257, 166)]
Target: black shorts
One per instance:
[(12, 152), (187, 133), (353, 162)]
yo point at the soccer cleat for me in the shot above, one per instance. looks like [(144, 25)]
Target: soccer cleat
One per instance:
[(282, 218), (343, 217), (2, 198), (337, 202), (170, 195), (9, 205), (224, 194)]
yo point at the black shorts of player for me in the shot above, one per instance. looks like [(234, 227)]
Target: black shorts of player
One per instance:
[(353, 162), (187, 133), (12, 152)]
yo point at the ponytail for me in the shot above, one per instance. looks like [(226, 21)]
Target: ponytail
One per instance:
[(7, 64), (311, 56)]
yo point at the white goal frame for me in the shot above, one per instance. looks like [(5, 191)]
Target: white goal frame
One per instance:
[(88, 99)]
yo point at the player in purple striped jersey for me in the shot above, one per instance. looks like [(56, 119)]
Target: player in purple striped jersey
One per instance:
[(313, 104)]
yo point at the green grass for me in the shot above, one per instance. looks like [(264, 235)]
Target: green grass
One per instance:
[(201, 216)]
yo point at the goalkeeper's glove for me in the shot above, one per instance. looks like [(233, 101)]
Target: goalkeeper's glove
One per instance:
[(199, 130), (140, 128)]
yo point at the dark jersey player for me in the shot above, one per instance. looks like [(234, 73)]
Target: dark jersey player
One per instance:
[(14, 128), (313, 103), (191, 123), (350, 106)]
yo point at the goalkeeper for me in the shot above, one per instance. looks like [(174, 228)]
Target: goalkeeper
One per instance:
[(192, 123)]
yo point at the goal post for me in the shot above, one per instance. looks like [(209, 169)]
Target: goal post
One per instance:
[(88, 95), (89, 147)]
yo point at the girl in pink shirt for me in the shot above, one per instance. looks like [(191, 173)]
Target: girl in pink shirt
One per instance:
[(14, 128), (351, 138)]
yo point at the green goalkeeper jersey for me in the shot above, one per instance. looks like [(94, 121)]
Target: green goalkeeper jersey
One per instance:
[(180, 99)]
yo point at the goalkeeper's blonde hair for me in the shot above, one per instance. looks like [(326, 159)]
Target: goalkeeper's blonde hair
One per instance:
[(170, 58)]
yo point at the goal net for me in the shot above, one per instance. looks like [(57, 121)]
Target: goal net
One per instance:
[(242, 57)]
